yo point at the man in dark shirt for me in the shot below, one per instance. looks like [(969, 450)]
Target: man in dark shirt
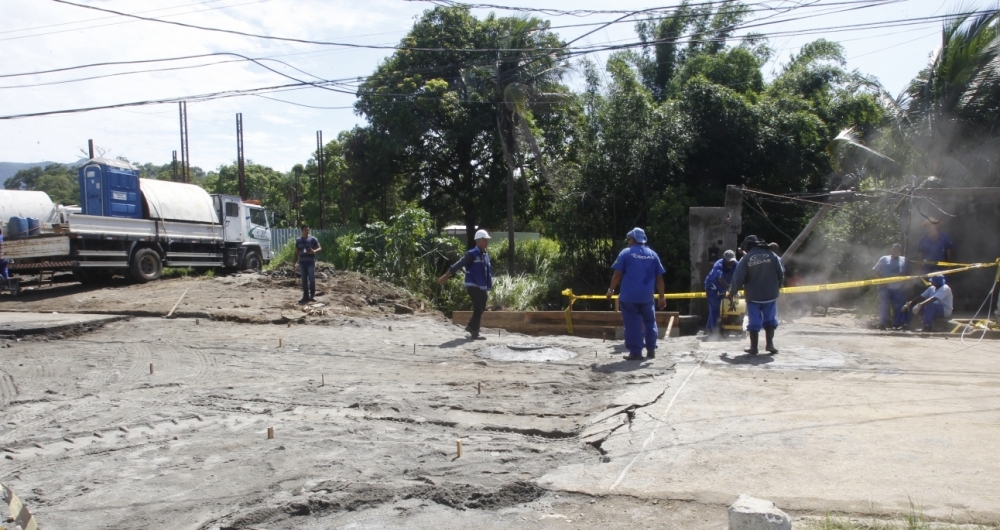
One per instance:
[(478, 279), (306, 248), (935, 246), (762, 273)]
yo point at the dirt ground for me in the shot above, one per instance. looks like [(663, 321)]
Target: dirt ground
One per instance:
[(150, 422)]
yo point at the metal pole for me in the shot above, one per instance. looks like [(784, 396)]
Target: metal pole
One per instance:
[(320, 176), (173, 166), (240, 168), (90, 148)]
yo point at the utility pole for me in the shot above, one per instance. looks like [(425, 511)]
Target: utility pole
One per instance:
[(90, 148), (185, 152), (240, 167), (320, 174), (173, 166), (297, 198)]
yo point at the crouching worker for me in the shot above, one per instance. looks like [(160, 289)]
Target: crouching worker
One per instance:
[(937, 302), (759, 274), (716, 284), (478, 279)]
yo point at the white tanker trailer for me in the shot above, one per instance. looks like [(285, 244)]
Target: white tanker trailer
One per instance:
[(132, 226)]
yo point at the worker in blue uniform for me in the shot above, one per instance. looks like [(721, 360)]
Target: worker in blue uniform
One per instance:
[(716, 284), (638, 269), (478, 279)]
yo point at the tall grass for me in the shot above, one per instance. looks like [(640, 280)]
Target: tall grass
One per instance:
[(535, 285)]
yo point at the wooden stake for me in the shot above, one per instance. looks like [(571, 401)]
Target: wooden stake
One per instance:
[(414, 349), (289, 324), (498, 333), (604, 337), (197, 321), (322, 379), (458, 446), (270, 433), (177, 304), (390, 328), (281, 343), (670, 324), (479, 388), (150, 368)]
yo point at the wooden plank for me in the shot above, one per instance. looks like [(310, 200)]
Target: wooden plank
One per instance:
[(590, 317)]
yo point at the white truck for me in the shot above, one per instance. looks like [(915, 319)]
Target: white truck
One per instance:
[(141, 226)]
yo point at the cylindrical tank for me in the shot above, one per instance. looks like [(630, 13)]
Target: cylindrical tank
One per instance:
[(34, 227), (176, 201), (17, 227), (20, 203)]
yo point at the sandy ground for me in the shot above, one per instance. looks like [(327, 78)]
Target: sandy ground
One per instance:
[(366, 420)]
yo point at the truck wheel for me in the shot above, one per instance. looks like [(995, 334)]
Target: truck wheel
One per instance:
[(146, 266), (252, 261)]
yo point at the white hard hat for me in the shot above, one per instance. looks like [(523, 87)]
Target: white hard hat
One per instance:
[(483, 234)]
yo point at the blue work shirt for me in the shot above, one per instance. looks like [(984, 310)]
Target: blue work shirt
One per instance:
[(640, 267), (888, 267), (712, 283), (304, 243), (935, 250), (478, 269)]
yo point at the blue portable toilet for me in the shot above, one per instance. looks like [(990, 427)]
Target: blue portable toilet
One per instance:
[(110, 188)]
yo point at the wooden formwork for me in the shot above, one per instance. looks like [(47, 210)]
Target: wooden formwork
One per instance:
[(592, 324)]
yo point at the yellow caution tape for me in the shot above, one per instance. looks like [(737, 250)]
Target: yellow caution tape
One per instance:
[(792, 290), (18, 511)]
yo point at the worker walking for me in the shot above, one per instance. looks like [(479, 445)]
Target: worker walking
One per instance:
[(759, 274), (478, 279), (638, 269), (716, 284), (890, 296), (306, 248), (938, 302)]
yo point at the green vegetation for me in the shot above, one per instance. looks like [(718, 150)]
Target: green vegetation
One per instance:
[(914, 521)]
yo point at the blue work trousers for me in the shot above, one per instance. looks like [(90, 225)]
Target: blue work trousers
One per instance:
[(931, 311), (762, 315), (308, 270), (639, 320), (891, 299), (4, 274), (714, 310)]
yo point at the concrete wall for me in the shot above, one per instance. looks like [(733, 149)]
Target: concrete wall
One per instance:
[(971, 217), (712, 231)]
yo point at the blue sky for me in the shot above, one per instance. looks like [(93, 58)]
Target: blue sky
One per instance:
[(40, 34)]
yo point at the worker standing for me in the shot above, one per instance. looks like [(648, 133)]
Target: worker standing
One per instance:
[(306, 248), (4, 262), (638, 269), (890, 296), (478, 279), (934, 247), (938, 302), (716, 284), (759, 274)]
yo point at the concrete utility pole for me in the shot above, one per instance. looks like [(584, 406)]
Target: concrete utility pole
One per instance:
[(173, 166), (320, 176), (185, 153), (90, 148), (297, 197), (240, 166)]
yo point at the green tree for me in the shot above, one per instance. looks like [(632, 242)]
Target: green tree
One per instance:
[(57, 180)]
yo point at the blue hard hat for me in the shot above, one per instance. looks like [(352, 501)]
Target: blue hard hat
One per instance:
[(638, 234), (937, 280)]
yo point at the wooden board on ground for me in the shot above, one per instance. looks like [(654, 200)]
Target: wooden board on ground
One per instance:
[(592, 324)]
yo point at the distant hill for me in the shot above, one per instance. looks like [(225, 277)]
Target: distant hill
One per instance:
[(8, 169)]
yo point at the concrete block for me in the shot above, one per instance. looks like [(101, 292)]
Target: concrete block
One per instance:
[(749, 513)]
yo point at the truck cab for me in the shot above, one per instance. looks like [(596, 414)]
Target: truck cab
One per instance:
[(246, 231)]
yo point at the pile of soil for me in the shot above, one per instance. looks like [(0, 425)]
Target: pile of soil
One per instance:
[(348, 292)]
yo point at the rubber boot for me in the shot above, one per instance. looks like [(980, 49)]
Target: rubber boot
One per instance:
[(754, 336), (769, 334)]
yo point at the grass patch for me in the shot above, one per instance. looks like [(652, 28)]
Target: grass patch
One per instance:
[(913, 521)]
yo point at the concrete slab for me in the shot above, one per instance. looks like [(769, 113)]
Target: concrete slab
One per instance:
[(816, 428), (20, 324)]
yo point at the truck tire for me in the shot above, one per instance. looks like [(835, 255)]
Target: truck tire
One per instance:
[(252, 261), (146, 266)]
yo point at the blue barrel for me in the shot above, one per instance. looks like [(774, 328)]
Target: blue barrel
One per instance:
[(34, 227), (17, 227)]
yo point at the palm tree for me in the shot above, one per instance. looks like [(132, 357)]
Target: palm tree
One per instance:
[(523, 75)]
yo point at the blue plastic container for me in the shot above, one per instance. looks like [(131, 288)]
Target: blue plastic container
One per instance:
[(110, 188), (34, 227), (17, 227)]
